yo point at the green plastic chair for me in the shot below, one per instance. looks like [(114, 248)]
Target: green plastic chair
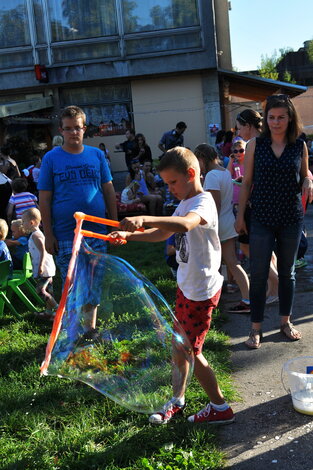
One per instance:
[(4, 300), (23, 278)]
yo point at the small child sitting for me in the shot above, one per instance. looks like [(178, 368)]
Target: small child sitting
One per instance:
[(4, 250), (18, 243), (131, 194), (42, 262), (21, 200)]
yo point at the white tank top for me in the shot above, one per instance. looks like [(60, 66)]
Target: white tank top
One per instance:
[(48, 263)]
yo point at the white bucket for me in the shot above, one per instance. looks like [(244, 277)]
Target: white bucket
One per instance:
[(300, 379)]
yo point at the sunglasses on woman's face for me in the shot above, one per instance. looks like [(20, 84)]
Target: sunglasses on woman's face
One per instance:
[(239, 151)]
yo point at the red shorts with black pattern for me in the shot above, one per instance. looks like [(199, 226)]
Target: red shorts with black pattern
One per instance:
[(195, 317)]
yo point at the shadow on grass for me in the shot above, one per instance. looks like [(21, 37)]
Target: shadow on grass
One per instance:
[(156, 444)]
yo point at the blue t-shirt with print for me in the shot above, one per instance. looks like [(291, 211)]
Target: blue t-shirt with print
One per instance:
[(76, 184)]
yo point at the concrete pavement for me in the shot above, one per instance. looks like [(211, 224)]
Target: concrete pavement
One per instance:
[(268, 432)]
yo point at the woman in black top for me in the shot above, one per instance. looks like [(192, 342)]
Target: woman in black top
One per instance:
[(276, 167), (144, 153)]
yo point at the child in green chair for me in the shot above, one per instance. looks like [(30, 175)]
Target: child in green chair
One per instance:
[(42, 262), (4, 250), (18, 244)]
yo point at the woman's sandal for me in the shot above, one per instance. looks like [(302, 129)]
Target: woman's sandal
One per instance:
[(254, 340), (289, 330)]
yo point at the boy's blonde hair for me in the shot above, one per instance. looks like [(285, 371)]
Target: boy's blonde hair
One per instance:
[(32, 214), (180, 159), (18, 223), (3, 229)]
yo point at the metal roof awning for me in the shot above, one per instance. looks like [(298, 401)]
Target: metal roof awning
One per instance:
[(256, 88), (27, 106)]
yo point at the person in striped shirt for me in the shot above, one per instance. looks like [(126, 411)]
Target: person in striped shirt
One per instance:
[(21, 199)]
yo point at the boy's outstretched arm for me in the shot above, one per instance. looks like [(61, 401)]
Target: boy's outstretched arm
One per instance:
[(161, 227), (172, 224), (150, 235)]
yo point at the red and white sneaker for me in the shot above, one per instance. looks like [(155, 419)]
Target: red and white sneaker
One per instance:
[(212, 416), (168, 412)]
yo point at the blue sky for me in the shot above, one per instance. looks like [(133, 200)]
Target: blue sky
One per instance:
[(260, 26)]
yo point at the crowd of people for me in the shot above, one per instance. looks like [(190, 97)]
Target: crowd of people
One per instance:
[(245, 196)]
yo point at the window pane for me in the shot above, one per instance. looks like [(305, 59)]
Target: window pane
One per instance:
[(79, 19), (87, 51), (159, 14), (14, 28), (42, 56), (107, 107), (109, 115), (39, 21), (107, 119), (94, 95), (166, 43), (18, 59)]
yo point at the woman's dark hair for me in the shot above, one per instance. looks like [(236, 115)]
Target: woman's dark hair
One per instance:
[(207, 153), (251, 117), (294, 127), (138, 136), (219, 136), (228, 137)]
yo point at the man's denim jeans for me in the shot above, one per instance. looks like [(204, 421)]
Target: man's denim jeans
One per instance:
[(263, 241)]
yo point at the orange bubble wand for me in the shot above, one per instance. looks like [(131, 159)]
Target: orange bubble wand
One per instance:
[(79, 233)]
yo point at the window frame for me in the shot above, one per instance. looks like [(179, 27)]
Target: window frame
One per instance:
[(121, 38)]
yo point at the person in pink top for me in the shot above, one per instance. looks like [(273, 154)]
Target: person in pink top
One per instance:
[(236, 168)]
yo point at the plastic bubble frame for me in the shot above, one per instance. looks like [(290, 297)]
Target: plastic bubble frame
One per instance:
[(137, 354)]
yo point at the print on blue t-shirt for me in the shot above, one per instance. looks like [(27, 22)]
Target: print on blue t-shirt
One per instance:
[(76, 183)]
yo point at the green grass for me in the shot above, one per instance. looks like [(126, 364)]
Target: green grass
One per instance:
[(53, 423)]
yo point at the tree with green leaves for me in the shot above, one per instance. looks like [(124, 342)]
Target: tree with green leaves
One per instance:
[(268, 67), (309, 50)]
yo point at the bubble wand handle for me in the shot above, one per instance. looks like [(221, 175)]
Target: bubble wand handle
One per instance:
[(87, 233), (60, 310), (79, 217), (99, 220)]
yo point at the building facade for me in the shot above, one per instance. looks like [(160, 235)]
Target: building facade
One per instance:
[(145, 64)]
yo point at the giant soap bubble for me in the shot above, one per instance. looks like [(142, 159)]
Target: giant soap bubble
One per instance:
[(136, 350)]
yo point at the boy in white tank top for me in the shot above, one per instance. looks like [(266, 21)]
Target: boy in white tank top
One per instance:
[(42, 261)]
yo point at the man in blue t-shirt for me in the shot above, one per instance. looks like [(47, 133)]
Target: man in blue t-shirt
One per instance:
[(173, 138), (74, 177)]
